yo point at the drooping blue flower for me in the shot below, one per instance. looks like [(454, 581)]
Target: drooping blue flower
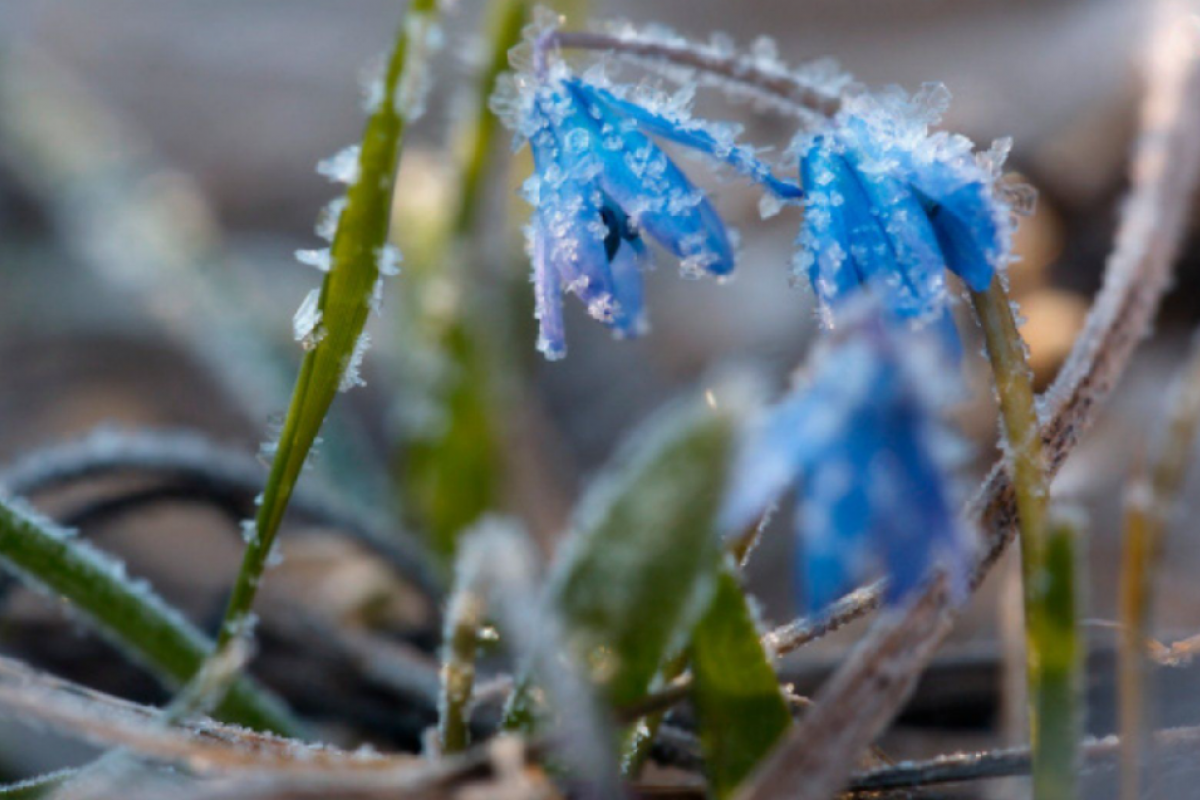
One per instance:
[(601, 184), (863, 443), (891, 206)]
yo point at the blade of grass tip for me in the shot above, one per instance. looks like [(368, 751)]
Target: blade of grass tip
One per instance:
[(128, 613), (460, 643), (1057, 665), (449, 473), (1152, 495), (358, 259)]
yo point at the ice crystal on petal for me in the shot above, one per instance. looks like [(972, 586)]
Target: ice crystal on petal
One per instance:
[(890, 206), (602, 186)]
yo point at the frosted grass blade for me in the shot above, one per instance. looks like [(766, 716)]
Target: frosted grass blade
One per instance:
[(346, 293), (127, 612)]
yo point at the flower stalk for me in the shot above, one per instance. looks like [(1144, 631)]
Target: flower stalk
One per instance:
[(1047, 557)]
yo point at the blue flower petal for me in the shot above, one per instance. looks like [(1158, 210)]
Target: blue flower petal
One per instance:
[(863, 443), (652, 189), (697, 138)]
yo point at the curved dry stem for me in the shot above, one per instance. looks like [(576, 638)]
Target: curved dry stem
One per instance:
[(222, 471), (785, 89)]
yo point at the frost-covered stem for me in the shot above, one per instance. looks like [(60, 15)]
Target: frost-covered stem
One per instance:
[(1023, 454), (1052, 627), (1014, 388), (1148, 506), (460, 642), (344, 301), (129, 614), (782, 86)]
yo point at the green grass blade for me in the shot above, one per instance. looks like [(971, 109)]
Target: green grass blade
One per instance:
[(128, 613), (742, 713), (345, 298)]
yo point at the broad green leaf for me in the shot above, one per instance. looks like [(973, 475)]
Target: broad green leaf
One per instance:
[(741, 711), (639, 567), (127, 612), (345, 300)]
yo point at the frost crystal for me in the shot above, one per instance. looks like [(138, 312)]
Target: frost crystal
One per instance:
[(329, 218), (306, 322), (318, 259), (388, 260), (350, 375), (342, 166)]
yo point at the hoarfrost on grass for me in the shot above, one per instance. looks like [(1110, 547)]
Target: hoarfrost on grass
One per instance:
[(306, 323), (388, 260), (342, 166), (351, 376)]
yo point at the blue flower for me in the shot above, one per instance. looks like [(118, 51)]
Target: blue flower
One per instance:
[(863, 441), (601, 185), (891, 206)]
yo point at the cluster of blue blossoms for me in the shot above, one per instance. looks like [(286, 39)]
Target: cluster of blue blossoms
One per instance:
[(889, 207)]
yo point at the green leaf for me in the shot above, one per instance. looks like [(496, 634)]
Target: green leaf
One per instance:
[(639, 567), (128, 613), (741, 711), (345, 298)]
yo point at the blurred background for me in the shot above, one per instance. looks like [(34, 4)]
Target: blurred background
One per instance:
[(156, 175)]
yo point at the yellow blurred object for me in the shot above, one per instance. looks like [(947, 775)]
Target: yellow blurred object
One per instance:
[(1053, 318)]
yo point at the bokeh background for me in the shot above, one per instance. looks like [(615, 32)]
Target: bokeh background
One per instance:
[(153, 149)]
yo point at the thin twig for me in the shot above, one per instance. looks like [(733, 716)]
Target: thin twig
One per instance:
[(786, 89), (30, 696)]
